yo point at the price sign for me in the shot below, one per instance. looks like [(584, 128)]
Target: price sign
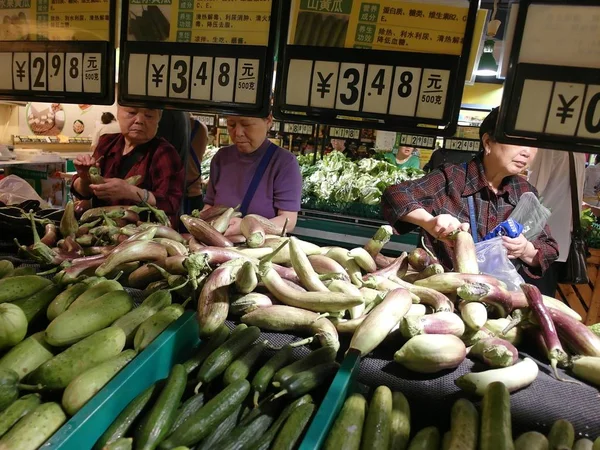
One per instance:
[(412, 140), (298, 128), (386, 64), (191, 55), (206, 119), (344, 133), (552, 92), (467, 145), (276, 126), (57, 51)]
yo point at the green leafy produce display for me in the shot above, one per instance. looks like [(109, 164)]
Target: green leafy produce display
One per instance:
[(591, 229)]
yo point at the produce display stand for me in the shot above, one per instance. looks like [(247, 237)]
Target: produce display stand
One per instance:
[(585, 298)]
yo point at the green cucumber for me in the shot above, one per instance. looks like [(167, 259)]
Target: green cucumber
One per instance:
[(246, 436), (120, 444), (35, 428), (241, 367), (16, 288), (532, 440), (206, 348), (262, 379), (400, 424), (125, 419), (199, 425), (158, 422), (426, 439), (59, 371), (583, 444), (596, 444), (562, 435), (95, 292), (219, 360), (131, 321), (446, 440), (22, 271), (294, 428), (189, 407), (221, 431), (464, 426), (319, 356), (496, 428), (63, 300), (308, 380), (238, 329), (36, 305), (6, 268), (27, 355), (16, 410), (76, 324), (307, 31), (13, 325), (346, 432), (9, 388), (85, 386), (154, 325), (376, 432)]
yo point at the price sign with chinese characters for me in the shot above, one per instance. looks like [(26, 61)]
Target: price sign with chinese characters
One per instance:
[(552, 92), (385, 64), (344, 133), (188, 54), (57, 51), (467, 145), (298, 128), (412, 140)]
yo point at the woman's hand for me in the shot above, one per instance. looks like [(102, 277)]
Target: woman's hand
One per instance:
[(82, 166), (115, 189), (441, 226), (519, 248), (234, 227)]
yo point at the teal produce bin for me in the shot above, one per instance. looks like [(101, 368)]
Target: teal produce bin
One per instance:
[(173, 346)]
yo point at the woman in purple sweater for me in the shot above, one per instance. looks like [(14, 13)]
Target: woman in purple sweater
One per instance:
[(256, 174)]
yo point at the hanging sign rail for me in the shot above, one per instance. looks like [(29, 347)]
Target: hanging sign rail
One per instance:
[(552, 92)]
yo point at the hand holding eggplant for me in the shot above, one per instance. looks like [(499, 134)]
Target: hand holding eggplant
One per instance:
[(441, 226), (82, 166), (115, 189)]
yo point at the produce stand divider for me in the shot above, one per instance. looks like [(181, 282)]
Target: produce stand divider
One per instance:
[(585, 298), (173, 346)]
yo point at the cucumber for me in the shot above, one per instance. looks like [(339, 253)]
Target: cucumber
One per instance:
[(346, 432), (464, 426), (76, 324), (308, 380), (9, 388), (583, 444), (246, 436), (199, 425), (426, 439), (294, 428), (22, 271), (131, 321), (376, 432), (85, 386), (238, 329), (562, 435), (125, 419), (206, 348), (59, 371), (220, 359), (532, 440), (18, 287), (446, 440), (496, 428), (158, 422), (34, 429), (189, 407), (262, 379), (16, 410), (400, 424), (154, 325), (27, 355), (319, 356), (6, 268), (221, 431), (596, 444), (241, 367), (36, 305), (63, 300), (13, 325), (120, 444), (95, 292)]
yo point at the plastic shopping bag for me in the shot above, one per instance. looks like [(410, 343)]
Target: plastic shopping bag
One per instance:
[(492, 258), (15, 190), (530, 213)]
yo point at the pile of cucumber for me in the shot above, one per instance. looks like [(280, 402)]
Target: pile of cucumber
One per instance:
[(228, 395), (386, 423)]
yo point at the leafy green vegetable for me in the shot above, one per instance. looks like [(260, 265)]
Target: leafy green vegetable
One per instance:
[(590, 228)]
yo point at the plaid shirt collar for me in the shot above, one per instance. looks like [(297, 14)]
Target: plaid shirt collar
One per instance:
[(476, 181)]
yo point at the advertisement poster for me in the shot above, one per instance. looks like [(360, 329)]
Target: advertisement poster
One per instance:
[(54, 20), (206, 22)]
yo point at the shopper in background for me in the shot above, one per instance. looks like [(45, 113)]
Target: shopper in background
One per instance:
[(175, 128), (134, 151), (108, 125), (198, 143), (438, 203), (403, 158), (341, 145), (442, 156), (549, 173), (256, 174)]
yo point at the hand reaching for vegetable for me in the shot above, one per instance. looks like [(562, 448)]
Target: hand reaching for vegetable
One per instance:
[(234, 227), (115, 189), (82, 165), (444, 224)]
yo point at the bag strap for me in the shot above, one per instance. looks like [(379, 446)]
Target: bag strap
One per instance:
[(260, 171), (574, 197)]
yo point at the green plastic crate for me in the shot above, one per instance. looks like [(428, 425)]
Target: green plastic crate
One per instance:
[(173, 346)]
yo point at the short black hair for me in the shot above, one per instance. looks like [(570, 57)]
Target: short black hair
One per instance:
[(107, 117), (489, 124)]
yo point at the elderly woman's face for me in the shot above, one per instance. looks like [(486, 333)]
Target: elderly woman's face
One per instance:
[(512, 159), (248, 133), (139, 125)]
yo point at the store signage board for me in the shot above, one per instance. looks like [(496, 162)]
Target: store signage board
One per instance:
[(344, 133), (467, 145), (412, 140), (298, 128), (384, 64), (57, 51), (194, 54), (276, 126), (207, 119), (552, 92)]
